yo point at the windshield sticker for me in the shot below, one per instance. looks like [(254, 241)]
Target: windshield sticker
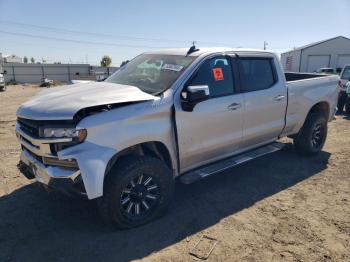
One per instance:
[(172, 67), (218, 74)]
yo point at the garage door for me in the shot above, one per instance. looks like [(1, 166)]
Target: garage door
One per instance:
[(343, 60), (315, 62)]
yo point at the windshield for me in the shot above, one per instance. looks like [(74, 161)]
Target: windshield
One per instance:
[(152, 73), (346, 73)]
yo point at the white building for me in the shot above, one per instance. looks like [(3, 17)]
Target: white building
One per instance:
[(12, 59), (333, 53)]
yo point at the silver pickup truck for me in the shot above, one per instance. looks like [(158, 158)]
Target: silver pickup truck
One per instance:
[(168, 114)]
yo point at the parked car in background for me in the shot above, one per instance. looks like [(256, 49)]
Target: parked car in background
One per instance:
[(193, 113), (347, 102), (2, 77), (345, 76), (45, 82), (2, 82), (325, 70), (344, 99)]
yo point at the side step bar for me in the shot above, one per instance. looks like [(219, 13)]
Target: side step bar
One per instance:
[(198, 174)]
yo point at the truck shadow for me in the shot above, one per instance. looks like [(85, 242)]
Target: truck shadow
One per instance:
[(35, 227)]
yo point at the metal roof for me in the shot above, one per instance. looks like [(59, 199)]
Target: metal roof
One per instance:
[(316, 43)]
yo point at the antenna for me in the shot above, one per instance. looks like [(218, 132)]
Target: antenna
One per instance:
[(265, 44), (192, 48)]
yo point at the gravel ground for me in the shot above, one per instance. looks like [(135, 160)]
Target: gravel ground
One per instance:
[(277, 208)]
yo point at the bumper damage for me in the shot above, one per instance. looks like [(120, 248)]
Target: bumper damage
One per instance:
[(67, 181)]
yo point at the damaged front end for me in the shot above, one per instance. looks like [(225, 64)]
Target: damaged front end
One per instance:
[(56, 150), (39, 157), (55, 153)]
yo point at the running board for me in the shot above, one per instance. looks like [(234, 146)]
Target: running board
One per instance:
[(198, 174)]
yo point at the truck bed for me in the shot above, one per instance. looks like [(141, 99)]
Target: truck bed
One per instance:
[(293, 76), (304, 90)]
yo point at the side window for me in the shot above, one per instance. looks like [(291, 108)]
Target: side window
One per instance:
[(216, 73), (257, 74)]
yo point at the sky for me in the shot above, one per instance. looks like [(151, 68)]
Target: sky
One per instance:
[(83, 31)]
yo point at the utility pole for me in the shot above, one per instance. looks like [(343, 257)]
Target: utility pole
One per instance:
[(265, 44)]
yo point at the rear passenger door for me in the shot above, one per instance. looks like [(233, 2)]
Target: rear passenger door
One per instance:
[(265, 100)]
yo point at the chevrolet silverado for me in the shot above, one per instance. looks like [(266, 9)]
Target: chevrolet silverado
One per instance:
[(166, 115)]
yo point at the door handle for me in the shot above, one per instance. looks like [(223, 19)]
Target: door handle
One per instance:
[(279, 97), (234, 106)]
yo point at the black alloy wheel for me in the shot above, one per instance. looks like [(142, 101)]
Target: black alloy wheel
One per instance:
[(140, 197)]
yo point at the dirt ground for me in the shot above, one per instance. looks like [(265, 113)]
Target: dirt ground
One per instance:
[(277, 208)]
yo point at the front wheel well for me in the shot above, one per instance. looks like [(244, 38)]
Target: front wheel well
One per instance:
[(154, 148)]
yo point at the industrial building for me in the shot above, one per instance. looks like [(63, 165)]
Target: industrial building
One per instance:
[(332, 53)]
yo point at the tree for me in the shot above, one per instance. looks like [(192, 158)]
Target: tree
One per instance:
[(124, 63), (32, 60), (25, 60), (106, 61)]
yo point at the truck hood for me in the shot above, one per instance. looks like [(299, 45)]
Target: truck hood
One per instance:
[(62, 103)]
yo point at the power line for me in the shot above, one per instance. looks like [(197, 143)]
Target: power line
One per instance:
[(131, 38), (99, 52), (77, 41)]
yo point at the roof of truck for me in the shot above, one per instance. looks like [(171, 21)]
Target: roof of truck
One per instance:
[(203, 50)]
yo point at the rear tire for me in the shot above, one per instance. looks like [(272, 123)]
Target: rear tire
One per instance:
[(312, 136), (137, 190)]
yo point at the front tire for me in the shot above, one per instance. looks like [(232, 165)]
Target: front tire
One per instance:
[(137, 190), (312, 136)]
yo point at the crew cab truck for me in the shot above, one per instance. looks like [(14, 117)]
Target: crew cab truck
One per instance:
[(168, 114)]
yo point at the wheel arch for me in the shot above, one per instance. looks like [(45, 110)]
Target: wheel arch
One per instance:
[(156, 149), (322, 107)]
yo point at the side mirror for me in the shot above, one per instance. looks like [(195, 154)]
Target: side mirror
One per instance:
[(5, 72), (196, 94), (193, 95)]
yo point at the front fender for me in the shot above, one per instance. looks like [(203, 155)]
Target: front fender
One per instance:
[(92, 160), (113, 131)]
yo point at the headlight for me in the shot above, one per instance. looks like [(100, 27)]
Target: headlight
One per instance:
[(80, 134)]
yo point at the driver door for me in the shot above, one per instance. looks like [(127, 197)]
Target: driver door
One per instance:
[(214, 128)]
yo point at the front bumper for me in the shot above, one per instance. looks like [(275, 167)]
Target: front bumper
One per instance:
[(57, 169), (67, 181)]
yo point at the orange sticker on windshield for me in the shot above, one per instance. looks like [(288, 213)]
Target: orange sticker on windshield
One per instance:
[(218, 74)]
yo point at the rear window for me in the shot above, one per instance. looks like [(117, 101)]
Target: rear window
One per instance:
[(257, 74), (346, 73)]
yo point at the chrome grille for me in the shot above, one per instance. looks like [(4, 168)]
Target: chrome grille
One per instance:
[(30, 127)]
